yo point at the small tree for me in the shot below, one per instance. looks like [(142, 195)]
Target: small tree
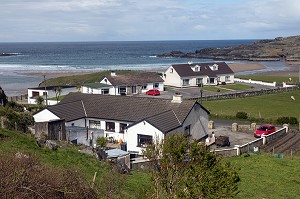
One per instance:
[(185, 169), (58, 92), (102, 141), (39, 101)]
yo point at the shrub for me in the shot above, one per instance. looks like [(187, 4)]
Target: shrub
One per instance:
[(287, 120), (241, 115)]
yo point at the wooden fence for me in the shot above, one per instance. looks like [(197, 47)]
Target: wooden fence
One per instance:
[(244, 94), (17, 98)]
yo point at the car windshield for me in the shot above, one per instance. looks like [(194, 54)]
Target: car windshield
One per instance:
[(262, 128)]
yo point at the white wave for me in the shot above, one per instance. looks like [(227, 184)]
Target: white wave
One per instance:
[(153, 56)]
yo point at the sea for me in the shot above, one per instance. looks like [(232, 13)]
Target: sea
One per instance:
[(64, 57)]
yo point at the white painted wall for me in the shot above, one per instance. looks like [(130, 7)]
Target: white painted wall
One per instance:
[(140, 128), (255, 82), (172, 78), (45, 116), (50, 93)]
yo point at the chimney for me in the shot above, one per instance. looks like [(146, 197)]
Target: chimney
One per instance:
[(177, 98), (113, 73)]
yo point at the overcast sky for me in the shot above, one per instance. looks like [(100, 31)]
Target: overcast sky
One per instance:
[(142, 20)]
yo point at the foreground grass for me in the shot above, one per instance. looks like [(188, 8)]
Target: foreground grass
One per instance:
[(271, 79), (263, 176), (265, 106), (69, 157)]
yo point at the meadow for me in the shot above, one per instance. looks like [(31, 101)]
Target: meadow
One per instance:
[(269, 106)]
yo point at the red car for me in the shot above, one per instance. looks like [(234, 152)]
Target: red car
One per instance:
[(264, 129), (153, 92)]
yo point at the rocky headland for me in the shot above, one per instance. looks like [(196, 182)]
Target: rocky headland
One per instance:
[(278, 49)]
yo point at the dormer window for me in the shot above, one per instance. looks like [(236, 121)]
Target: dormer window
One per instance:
[(197, 68), (214, 67), (171, 70)]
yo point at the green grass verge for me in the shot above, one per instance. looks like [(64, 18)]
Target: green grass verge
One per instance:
[(59, 98), (264, 106), (271, 79), (263, 176), (213, 89), (236, 86)]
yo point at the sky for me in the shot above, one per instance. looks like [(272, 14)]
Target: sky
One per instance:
[(146, 20)]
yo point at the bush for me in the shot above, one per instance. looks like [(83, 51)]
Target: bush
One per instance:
[(287, 120), (241, 115)]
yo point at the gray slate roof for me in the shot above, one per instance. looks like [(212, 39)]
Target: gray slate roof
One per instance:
[(184, 70), (135, 78), (161, 113)]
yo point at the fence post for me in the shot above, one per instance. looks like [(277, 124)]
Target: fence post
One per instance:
[(286, 126), (238, 150), (264, 139)]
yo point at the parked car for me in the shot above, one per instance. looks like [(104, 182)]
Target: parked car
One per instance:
[(153, 92), (264, 129)]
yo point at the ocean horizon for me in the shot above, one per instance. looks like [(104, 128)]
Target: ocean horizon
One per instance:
[(47, 57)]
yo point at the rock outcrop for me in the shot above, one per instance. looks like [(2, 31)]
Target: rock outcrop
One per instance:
[(280, 48)]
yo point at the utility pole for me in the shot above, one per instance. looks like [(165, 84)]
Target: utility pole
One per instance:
[(46, 90)]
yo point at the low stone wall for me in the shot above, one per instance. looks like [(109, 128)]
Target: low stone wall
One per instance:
[(227, 152), (246, 127)]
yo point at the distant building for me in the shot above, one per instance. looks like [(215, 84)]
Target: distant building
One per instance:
[(195, 74), (33, 93), (125, 84), (135, 120)]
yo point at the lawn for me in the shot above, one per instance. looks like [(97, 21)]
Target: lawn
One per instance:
[(236, 86), (263, 176), (264, 106), (271, 79), (213, 89)]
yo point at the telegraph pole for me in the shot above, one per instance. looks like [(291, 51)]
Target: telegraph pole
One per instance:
[(46, 90)]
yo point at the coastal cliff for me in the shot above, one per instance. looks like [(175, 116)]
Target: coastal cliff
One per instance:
[(280, 48)]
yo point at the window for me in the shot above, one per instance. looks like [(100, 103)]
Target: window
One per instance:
[(133, 88), (171, 70), (35, 94), (185, 82), (110, 126), (155, 85), (197, 68), (122, 127), (143, 140), (44, 93), (144, 86), (211, 80), (219, 79), (199, 81), (227, 78), (187, 130), (94, 124), (105, 91), (122, 90)]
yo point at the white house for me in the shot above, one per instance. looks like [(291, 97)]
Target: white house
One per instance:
[(135, 120), (48, 93), (195, 74), (125, 84)]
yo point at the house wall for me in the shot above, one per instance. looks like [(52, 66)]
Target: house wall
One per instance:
[(198, 119), (223, 78), (172, 78), (50, 94), (144, 128), (79, 122), (44, 116)]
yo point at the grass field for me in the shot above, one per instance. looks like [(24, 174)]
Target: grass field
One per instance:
[(263, 176), (213, 89), (69, 157), (271, 79), (265, 106), (81, 79)]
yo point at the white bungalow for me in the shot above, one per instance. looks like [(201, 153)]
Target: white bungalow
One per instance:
[(195, 74), (125, 84), (137, 121), (48, 93)]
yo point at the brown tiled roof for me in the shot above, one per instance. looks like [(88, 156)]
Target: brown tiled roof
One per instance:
[(160, 112), (184, 70), (135, 78)]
